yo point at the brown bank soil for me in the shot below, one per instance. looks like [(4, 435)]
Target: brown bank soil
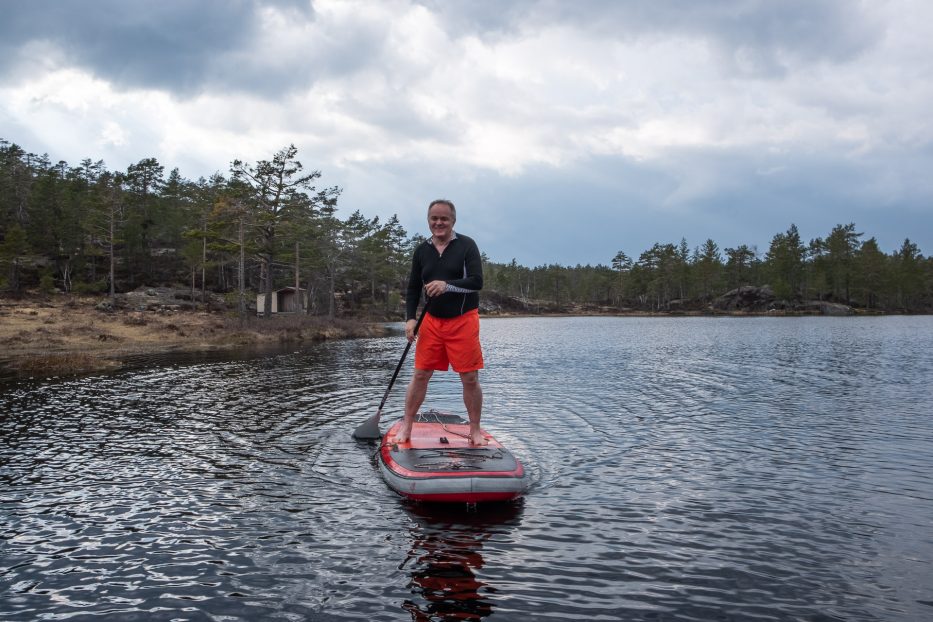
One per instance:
[(60, 335)]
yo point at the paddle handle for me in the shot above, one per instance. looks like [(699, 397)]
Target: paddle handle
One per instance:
[(398, 367)]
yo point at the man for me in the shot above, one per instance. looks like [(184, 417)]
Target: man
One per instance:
[(448, 267)]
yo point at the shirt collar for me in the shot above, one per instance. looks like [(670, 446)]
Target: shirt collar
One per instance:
[(453, 236)]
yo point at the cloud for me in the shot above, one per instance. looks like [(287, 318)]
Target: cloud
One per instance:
[(610, 122), (181, 46), (755, 36)]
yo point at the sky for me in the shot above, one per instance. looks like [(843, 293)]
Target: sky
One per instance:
[(563, 131)]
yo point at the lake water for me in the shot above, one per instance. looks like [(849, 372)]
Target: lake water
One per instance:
[(682, 469)]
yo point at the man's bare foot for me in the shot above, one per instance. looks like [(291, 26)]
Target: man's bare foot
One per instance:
[(477, 438), (404, 433)]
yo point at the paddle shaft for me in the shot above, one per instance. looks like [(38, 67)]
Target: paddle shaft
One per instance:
[(404, 354)]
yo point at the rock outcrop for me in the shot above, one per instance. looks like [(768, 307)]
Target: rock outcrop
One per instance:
[(494, 303), (164, 299), (745, 298), (750, 299), (822, 307)]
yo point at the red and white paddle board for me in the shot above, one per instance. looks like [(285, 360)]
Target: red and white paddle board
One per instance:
[(438, 464)]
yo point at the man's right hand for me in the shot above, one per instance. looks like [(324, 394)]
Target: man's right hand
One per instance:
[(435, 288), (410, 330)]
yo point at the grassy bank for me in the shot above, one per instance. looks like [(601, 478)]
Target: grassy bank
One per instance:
[(55, 335)]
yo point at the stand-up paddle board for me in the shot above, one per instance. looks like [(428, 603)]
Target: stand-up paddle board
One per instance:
[(439, 464)]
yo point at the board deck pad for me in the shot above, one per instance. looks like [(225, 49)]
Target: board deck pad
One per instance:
[(492, 459)]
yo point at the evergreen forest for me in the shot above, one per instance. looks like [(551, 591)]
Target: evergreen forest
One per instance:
[(85, 229)]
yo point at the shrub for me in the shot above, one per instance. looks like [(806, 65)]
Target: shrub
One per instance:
[(47, 283), (97, 287)]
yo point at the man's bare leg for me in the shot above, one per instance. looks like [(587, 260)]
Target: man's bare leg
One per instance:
[(473, 400), (414, 397)]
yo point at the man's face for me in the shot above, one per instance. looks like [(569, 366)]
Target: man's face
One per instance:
[(441, 220)]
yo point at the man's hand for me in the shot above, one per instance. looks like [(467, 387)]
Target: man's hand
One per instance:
[(410, 330), (435, 288)]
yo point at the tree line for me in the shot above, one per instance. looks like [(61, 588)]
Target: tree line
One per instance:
[(267, 225), (841, 268), (260, 227)]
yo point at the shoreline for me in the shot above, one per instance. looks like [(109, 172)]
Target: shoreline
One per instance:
[(678, 314), (71, 335), (65, 335)]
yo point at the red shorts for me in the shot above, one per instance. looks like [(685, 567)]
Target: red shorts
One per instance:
[(449, 342)]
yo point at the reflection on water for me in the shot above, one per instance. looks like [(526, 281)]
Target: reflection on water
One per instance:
[(446, 558), (682, 469)]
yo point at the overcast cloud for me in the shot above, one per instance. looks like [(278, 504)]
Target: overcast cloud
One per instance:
[(564, 131)]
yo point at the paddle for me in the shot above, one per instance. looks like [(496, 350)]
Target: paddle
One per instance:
[(370, 427)]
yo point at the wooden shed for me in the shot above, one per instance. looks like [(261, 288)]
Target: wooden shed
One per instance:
[(285, 300)]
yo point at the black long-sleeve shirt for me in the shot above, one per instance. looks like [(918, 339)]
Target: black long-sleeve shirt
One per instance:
[(460, 266)]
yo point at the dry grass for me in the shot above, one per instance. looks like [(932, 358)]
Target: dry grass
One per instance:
[(70, 335)]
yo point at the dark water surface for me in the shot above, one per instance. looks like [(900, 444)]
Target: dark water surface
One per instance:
[(683, 469)]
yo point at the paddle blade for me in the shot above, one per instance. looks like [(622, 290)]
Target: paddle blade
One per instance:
[(369, 429)]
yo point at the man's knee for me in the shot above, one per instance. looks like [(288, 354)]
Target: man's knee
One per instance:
[(422, 376), (470, 378)]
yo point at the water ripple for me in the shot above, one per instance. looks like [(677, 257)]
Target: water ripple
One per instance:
[(682, 469)]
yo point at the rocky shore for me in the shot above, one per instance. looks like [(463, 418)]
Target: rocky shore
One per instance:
[(59, 334), (750, 299)]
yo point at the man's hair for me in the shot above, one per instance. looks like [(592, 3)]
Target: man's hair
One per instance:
[(448, 203)]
